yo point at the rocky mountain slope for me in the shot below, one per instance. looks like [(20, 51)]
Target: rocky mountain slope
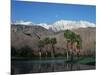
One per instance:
[(23, 35), (88, 36)]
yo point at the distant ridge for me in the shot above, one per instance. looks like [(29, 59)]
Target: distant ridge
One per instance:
[(59, 25)]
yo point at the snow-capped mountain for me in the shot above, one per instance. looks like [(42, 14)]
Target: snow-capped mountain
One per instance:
[(60, 25), (21, 22), (67, 24)]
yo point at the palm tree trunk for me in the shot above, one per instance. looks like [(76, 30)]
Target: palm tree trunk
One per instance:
[(67, 55), (40, 53), (46, 54), (53, 52), (78, 56)]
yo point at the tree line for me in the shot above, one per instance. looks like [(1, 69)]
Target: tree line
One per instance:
[(74, 45)]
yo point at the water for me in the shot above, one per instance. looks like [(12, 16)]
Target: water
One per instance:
[(40, 66)]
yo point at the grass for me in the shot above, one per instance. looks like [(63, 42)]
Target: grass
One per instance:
[(87, 60)]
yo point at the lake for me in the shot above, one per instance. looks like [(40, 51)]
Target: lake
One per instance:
[(41, 66)]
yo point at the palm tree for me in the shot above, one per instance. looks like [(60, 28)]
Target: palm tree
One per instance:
[(69, 35), (40, 45), (53, 41), (73, 42), (46, 43), (78, 45)]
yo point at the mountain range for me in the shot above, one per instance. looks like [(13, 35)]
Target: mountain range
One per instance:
[(59, 25), (28, 34)]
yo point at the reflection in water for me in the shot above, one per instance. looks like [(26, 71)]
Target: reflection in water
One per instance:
[(23, 67)]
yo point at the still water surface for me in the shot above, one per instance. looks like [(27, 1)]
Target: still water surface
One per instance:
[(40, 66)]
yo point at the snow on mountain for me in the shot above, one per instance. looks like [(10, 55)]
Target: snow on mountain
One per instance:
[(23, 23), (60, 25), (67, 24), (44, 25)]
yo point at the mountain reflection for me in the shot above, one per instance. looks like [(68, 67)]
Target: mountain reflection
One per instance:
[(24, 67)]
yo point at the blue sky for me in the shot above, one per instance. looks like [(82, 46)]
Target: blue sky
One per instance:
[(38, 12)]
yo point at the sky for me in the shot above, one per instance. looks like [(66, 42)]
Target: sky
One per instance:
[(39, 12)]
